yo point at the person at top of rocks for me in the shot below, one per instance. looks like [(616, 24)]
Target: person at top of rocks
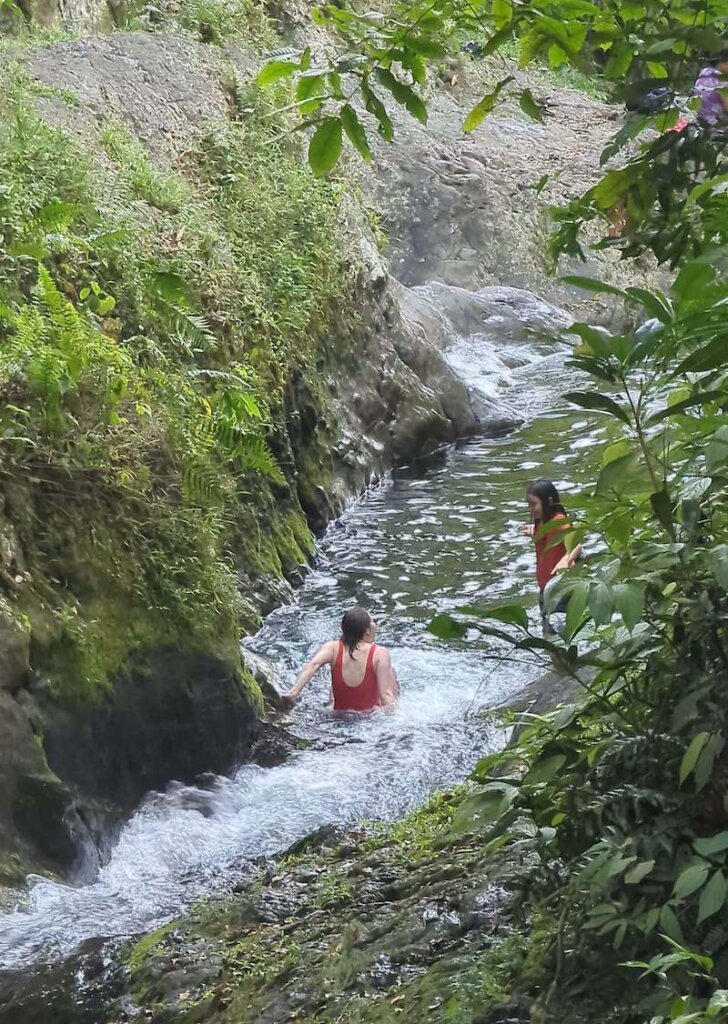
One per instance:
[(549, 528), (712, 88), (362, 677)]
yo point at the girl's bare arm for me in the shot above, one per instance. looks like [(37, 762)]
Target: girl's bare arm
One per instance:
[(324, 656)]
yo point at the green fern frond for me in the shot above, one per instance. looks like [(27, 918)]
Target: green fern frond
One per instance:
[(255, 455), (56, 216), (200, 484)]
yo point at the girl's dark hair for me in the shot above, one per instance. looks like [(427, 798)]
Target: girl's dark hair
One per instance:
[(547, 494), (353, 627)]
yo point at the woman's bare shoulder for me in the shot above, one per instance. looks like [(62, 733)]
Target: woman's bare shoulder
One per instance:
[(327, 651)]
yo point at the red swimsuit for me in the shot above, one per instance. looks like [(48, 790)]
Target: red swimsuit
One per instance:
[(549, 553), (363, 697)]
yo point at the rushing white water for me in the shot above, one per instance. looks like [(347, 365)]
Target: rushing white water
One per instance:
[(425, 541)]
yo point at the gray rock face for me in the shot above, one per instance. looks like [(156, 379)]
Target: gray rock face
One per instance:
[(162, 86), (466, 211), (501, 314)]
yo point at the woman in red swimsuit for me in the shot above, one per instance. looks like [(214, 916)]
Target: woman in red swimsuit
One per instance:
[(548, 526), (362, 677)]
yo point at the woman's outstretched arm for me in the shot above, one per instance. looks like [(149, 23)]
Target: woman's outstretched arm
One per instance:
[(324, 656)]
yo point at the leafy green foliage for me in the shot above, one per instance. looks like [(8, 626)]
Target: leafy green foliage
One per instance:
[(150, 320), (669, 197), (219, 22), (620, 798)]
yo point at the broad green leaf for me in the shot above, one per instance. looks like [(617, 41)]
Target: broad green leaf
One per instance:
[(596, 340), (711, 184), (654, 303), (629, 600), (324, 149), (495, 41), (544, 770), (618, 864), (651, 918), (638, 872), (617, 472), (594, 401), (591, 284), (716, 455), (557, 57), (310, 93), (704, 398), (717, 559), (691, 755), (670, 924), (619, 527), (481, 110), (335, 85), (706, 759), (531, 45), (712, 898), (502, 12), (426, 47), (690, 880), (576, 609), (484, 807), (403, 94), (375, 106), (601, 603), (416, 66), (529, 106), (710, 845), (620, 60), (446, 628), (483, 768), (662, 507), (275, 70), (568, 33), (354, 131), (602, 910), (709, 357), (619, 935), (693, 278), (512, 614), (632, 127), (478, 811)]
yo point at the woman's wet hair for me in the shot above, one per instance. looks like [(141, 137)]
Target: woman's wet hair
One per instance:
[(547, 494), (354, 626)]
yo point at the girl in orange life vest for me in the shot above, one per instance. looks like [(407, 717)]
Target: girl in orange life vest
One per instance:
[(362, 677), (552, 555)]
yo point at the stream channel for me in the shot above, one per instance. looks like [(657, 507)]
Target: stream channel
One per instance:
[(431, 538)]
